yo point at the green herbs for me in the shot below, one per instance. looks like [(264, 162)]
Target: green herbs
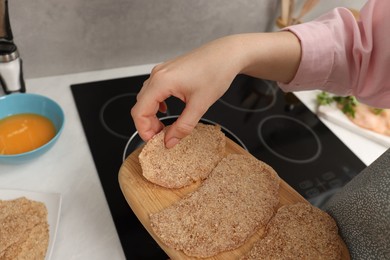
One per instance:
[(377, 111), (324, 99), (347, 104)]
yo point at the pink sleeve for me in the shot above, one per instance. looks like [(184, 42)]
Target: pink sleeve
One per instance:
[(346, 57)]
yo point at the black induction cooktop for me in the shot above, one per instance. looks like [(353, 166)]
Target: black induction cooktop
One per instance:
[(272, 125)]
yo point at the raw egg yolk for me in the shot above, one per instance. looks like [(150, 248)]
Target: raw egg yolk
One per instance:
[(24, 132)]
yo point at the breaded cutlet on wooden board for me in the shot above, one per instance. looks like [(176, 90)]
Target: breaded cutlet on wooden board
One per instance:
[(145, 198)]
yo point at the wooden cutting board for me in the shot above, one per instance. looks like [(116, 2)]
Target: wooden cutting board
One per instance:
[(145, 198)]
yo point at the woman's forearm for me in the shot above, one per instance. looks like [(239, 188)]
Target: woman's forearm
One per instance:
[(203, 75), (274, 56)]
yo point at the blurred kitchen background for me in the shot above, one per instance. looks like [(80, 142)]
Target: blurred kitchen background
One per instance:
[(57, 37)]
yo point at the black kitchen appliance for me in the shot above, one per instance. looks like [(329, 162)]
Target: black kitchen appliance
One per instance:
[(273, 126)]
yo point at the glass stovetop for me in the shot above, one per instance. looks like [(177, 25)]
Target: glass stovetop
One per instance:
[(274, 126)]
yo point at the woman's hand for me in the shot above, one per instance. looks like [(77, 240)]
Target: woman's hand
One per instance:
[(202, 76), (198, 78)]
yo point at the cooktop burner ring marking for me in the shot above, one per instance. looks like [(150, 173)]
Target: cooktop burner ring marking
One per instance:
[(135, 134), (104, 107), (316, 138), (270, 87)]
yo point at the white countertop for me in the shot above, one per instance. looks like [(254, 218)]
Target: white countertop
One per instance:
[(86, 229)]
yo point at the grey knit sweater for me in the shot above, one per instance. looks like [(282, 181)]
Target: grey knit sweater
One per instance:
[(362, 211)]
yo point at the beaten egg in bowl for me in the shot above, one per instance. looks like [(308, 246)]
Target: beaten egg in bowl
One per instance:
[(29, 125), (24, 132)]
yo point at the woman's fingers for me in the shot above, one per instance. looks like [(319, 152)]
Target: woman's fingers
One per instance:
[(185, 123)]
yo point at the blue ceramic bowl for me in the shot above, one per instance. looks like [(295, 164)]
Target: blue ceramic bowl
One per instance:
[(19, 103)]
